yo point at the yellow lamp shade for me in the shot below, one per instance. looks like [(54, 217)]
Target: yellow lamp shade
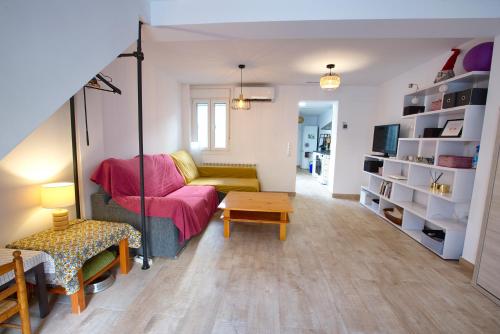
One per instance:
[(58, 195), (330, 81), (241, 103)]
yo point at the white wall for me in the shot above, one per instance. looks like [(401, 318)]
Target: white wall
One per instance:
[(262, 134), (161, 113), (43, 157), (89, 156), (486, 157), (390, 108), (49, 50), (113, 119)]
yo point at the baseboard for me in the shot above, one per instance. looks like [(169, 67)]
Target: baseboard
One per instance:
[(354, 197), (466, 266), (292, 193)]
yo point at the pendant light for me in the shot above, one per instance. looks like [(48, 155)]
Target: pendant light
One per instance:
[(241, 103), (330, 81)]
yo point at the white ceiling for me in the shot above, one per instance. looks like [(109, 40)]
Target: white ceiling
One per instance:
[(292, 61), (386, 28), (181, 12)]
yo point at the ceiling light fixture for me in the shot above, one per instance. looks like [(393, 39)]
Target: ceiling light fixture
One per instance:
[(241, 103), (330, 81)]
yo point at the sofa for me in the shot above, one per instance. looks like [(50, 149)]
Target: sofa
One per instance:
[(175, 211), (163, 235), (223, 178)]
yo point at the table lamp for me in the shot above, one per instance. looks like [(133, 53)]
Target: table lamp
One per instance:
[(58, 196)]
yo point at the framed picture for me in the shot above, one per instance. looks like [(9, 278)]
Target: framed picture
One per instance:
[(452, 128)]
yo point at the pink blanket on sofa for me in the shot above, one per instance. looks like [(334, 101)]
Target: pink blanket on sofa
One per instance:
[(166, 195)]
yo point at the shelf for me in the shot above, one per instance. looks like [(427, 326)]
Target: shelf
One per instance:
[(370, 191), (450, 169), (449, 224), (427, 190), (447, 112), (369, 208), (467, 78), (465, 140), (401, 182), (387, 220), (423, 189), (373, 174), (375, 157), (422, 205), (375, 193), (415, 234), (415, 208), (421, 211)]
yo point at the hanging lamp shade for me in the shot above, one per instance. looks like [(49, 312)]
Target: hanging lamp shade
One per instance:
[(240, 103), (330, 81)]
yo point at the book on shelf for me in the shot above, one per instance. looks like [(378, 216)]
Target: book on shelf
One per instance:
[(385, 189)]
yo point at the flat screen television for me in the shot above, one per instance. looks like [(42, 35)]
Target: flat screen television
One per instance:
[(385, 139)]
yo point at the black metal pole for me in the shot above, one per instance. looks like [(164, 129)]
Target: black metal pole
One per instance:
[(86, 118), (140, 58), (75, 155)]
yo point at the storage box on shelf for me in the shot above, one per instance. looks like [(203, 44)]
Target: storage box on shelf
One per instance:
[(476, 79), (424, 208)]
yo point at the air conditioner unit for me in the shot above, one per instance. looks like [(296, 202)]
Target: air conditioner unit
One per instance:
[(255, 94)]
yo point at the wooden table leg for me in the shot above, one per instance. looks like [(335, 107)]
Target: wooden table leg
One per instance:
[(227, 231), (41, 291), (78, 299), (283, 223), (124, 257)]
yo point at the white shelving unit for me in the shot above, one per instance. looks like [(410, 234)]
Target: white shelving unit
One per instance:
[(423, 207)]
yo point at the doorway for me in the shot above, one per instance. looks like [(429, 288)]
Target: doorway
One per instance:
[(316, 142)]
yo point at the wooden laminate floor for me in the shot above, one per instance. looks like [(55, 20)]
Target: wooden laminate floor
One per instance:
[(341, 270)]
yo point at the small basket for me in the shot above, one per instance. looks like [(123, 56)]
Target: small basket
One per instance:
[(390, 213)]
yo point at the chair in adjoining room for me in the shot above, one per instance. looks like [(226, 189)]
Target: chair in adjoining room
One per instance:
[(10, 306)]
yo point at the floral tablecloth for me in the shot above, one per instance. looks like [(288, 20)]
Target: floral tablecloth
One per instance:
[(82, 240)]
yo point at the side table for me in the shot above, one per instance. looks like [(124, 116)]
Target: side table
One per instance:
[(72, 247)]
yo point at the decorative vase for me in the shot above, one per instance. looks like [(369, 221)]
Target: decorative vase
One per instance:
[(479, 57)]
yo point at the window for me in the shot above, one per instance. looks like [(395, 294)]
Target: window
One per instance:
[(211, 123)]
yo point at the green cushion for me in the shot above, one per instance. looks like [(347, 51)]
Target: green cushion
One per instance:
[(95, 264)]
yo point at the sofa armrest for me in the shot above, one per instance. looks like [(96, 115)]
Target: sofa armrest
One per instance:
[(228, 171)]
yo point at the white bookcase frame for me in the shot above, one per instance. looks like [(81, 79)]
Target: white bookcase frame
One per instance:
[(421, 205)]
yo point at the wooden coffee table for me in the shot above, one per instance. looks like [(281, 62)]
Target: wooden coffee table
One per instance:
[(256, 207)]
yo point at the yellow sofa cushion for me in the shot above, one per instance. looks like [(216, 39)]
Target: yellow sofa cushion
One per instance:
[(185, 165), (227, 184), (228, 171)]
